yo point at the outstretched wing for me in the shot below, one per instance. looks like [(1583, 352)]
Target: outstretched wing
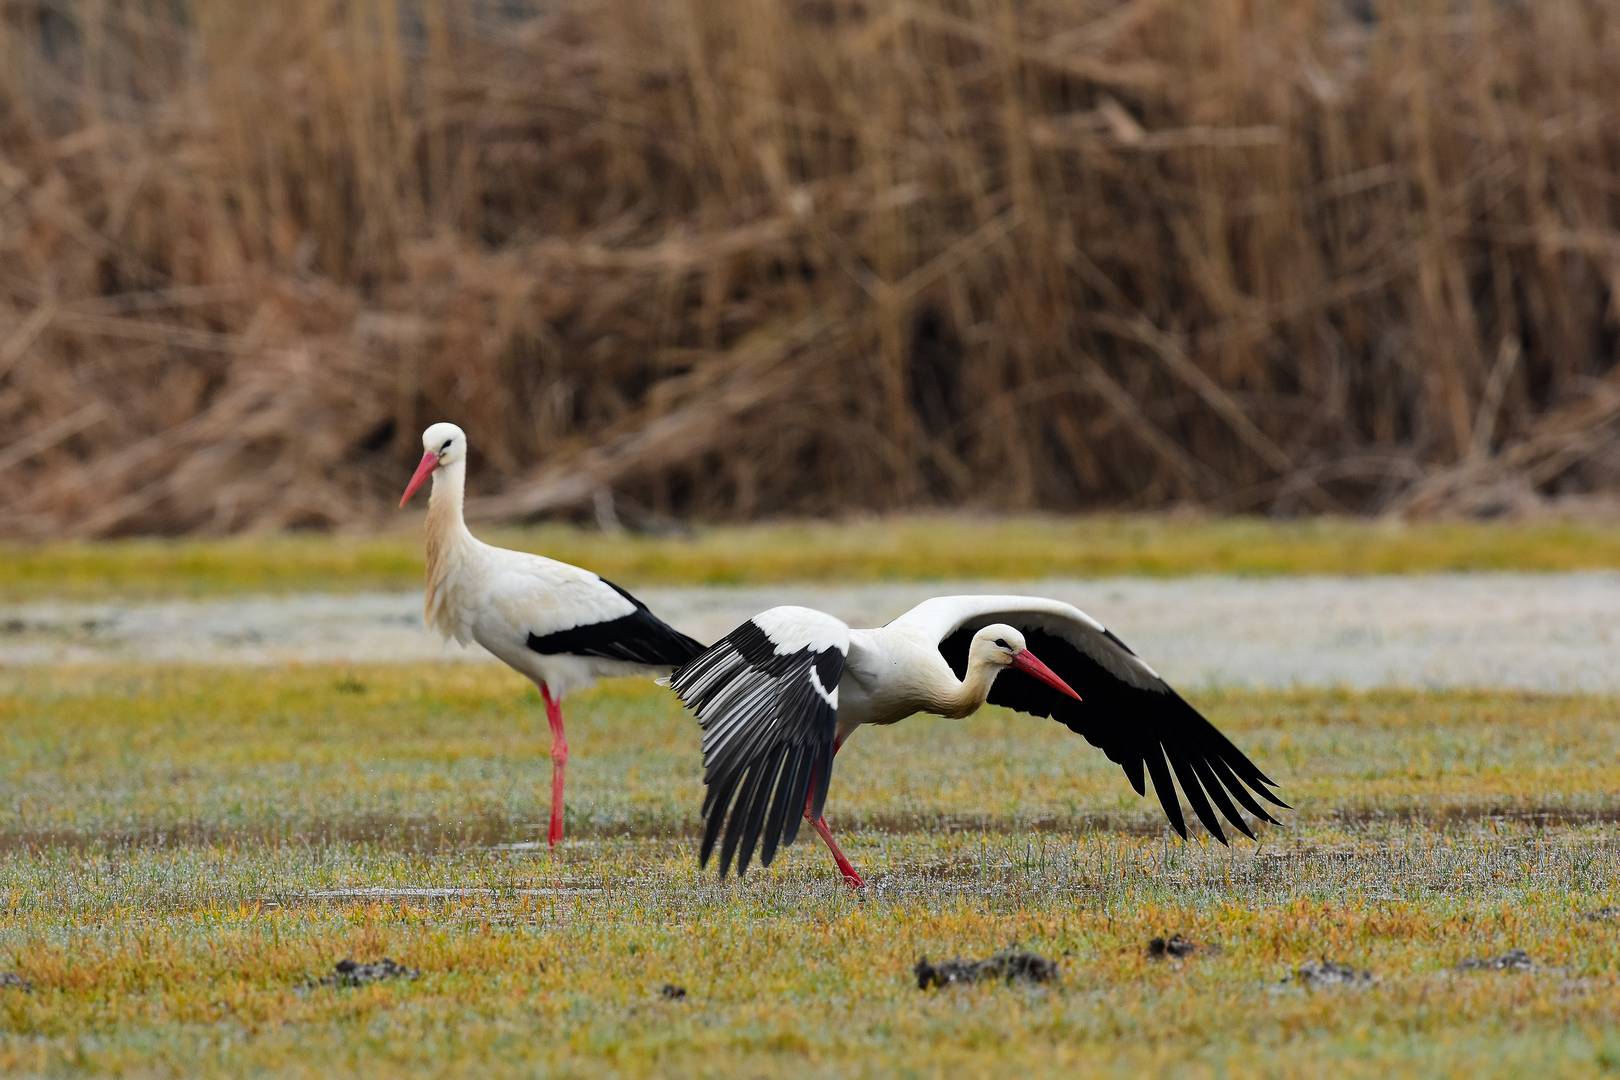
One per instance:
[(1128, 711), (767, 697)]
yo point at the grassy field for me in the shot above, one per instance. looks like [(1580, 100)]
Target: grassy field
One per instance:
[(914, 548), (184, 849)]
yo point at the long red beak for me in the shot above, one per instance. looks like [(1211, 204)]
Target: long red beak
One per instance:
[(430, 461), (1030, 664)]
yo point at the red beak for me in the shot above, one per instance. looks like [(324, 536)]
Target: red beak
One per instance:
[(1030, 664), (430, 461)]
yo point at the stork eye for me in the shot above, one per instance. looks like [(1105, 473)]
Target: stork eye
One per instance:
[(1000, 644), (446, 445)]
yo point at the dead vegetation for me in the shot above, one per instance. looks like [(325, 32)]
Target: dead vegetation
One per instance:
[(742, 257)]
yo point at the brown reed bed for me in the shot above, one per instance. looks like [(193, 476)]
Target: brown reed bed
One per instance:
[(734, 258)]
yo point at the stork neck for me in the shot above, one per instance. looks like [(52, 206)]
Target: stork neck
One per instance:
[(445, 522), (972, 691), (449, 548)]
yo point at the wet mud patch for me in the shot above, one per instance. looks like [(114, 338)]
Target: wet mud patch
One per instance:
[(1175, 947), (1009, 966), (351, 973), (1323, 974), (1512, 960), (10, 980)]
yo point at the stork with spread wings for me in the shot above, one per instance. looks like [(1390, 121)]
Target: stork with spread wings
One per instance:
[(778, 696)]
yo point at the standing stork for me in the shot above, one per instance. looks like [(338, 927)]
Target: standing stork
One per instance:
[(779, 695), (560, 626)]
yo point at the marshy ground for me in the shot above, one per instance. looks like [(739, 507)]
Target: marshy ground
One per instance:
[(188, 851)]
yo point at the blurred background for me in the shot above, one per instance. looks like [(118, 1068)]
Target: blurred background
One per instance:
[(719, 260)]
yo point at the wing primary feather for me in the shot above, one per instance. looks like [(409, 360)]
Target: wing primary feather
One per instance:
[(1225, 748), (1238, 790), (1195, 794), (770, 769), (1217, 792), (781, 804), (802, 780), (1243, 767), (821, 778), (1235, 764), (1165, 789), (739, 817), (714, 816), (1133, 773), (743, 751)]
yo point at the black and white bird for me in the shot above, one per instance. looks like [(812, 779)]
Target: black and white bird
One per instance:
[(560, 626), (778, 696)]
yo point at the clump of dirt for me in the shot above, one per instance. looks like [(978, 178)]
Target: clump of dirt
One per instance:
[(10, 980), (1176, 946), (671, 992), (351, 973), (1007, 966), (1605, 914), (1316, 974), (1512, 960)]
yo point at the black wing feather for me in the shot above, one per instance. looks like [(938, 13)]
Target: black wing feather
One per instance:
[(1218, 793), (768, 739), (1142, 728), (638, 638), (1165, 790)]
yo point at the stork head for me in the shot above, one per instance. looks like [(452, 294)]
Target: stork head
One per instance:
[(1001, 646), (442, 444)]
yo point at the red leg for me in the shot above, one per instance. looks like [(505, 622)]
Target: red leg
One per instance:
[(559, 762), (851, 878)]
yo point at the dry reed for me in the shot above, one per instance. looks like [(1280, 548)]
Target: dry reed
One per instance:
[(731, 258)]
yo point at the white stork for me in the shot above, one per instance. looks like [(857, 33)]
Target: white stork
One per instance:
[(779, 695), (561, 626)]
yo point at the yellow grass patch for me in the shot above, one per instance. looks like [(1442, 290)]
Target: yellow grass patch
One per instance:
[(908, 548)]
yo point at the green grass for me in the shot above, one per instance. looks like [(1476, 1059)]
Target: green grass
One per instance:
[(164, 833), (911, 548)]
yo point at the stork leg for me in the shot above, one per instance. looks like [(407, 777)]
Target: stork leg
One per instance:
[(559, 762), (851, 878)]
